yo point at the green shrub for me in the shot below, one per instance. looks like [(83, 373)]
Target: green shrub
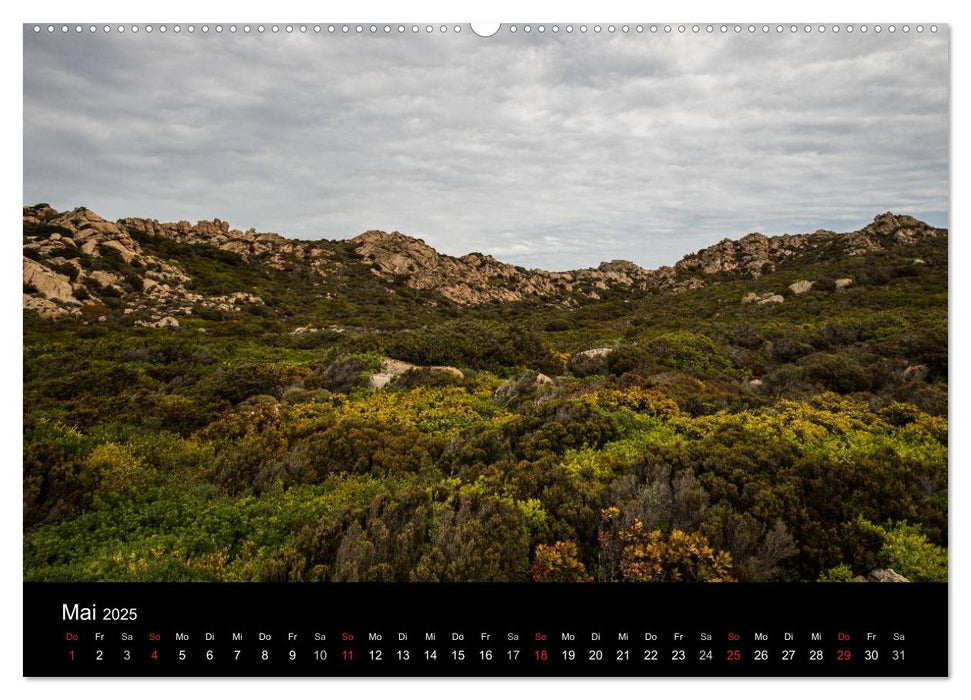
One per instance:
[(910, 554)]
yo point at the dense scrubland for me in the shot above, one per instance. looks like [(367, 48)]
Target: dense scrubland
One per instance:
[(710, 440)]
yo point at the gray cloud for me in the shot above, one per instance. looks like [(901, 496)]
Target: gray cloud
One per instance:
[(548, 150)]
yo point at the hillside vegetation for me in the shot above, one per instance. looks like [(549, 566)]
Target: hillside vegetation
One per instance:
[(202, 404)]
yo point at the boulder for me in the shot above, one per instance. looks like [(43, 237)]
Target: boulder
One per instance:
[(126, 253), (595, 352), (800, 286), (165, 322), (392, 369), (389, 370), (915, 372), (104, 227), (51, 284), (886, 576), (843, 283), (105, 279), (445, 369), (589, 362), (44, 307), (760, 299)]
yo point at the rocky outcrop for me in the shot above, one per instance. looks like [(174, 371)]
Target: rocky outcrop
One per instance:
[(888, 230), (755, 255), (476, 279), (73, 260), (750, 255)]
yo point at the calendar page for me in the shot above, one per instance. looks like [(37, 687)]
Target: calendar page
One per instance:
[(604, 349)]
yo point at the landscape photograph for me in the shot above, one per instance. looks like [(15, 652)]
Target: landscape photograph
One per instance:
[(401, 303)]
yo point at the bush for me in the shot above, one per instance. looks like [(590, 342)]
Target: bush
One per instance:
[(649, 555), (558, 562), (425, 376), (488, 345), (691, 353), (837, 372), (58, 481), (586, 364), (910, 554), (477, 538), (250, 463), (838, 574), (235, 384), (343, 374), (307, 557), (360, 446)]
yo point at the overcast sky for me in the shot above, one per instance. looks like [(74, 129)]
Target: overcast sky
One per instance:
[(553, 151)]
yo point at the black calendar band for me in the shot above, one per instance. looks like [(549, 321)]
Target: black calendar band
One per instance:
[(646, 630)]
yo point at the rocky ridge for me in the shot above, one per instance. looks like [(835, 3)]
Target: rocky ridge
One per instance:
[(78, 264), (64, 264), (755, 255)]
